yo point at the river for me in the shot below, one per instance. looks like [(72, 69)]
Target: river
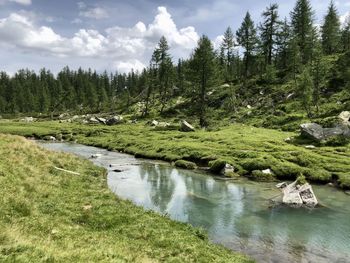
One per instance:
[(236, 214)]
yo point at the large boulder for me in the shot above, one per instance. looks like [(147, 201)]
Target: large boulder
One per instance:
[(344, 117), (154, 123), (93, 120), (296, 195), (186, 127), (312, 131), (340, 130), (28, 119), (114, 120), (101, 120)]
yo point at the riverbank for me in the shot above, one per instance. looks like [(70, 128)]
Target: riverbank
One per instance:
[(48, 215), (250, 150)]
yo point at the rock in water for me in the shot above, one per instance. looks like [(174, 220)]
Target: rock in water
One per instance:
[(307, 195), (295, 195), (186, 127), (228, 170), (312, 131)]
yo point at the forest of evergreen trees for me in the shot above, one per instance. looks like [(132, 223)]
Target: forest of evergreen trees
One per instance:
[(274, 51)]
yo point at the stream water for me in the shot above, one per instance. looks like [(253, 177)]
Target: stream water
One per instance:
[(236, 214)]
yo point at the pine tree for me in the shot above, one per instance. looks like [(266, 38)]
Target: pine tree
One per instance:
[(227, 49), (247, 38), (302, 25), (203, 68), (331, 31), (165, 71), (345, 36), (269, 32)]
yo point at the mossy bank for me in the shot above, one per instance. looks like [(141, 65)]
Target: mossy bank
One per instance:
[(48, 215), (247, 148)]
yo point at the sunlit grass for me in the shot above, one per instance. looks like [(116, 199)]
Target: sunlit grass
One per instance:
[(48, 215)]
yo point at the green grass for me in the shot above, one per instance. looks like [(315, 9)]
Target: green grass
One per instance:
[(48, 215), (247, 148)]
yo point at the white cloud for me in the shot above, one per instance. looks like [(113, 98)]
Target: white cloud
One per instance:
[(129, 47), (127, 66), (22, 2), (343, 18), (218, 41), (94, 12)]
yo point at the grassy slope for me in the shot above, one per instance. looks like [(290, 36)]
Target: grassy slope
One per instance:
[(246, 147), (43, 219)]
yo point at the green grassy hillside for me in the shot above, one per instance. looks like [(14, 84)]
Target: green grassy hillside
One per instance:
[(48, 215)]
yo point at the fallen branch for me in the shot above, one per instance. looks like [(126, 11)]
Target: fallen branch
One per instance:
[(67, 171)]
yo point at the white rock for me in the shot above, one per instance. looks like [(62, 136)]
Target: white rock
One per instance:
[(310, 147), (186, 127), (267, 171)]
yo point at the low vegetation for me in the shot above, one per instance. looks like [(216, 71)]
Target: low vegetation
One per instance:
[(247, 148), (48, 215)]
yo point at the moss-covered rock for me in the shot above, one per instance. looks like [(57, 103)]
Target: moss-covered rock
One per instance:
[(216, 166), (185, 164)]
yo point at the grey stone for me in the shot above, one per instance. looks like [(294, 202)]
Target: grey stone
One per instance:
[(344, 117), (186, 127), (93, 120), (114, 120), (154, 123), (228, 170), (295, 195), (101, 120), (267, 171), (312, 131)]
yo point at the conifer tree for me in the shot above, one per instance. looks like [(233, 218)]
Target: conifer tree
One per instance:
[(282, 41), (302, 26), (227, 52), (203, 74), (247, 38), (331, 31), (345, 36), (269, 32)]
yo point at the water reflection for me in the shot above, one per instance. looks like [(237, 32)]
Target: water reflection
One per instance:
[(236, 214)]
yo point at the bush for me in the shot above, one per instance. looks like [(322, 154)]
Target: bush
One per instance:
[(185, 164)]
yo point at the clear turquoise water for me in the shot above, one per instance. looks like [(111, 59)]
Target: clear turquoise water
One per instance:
[(236, 214)]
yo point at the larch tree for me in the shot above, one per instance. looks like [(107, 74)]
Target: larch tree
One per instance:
[(269, 32)]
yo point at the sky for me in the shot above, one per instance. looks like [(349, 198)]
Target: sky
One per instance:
[(120, 35)]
